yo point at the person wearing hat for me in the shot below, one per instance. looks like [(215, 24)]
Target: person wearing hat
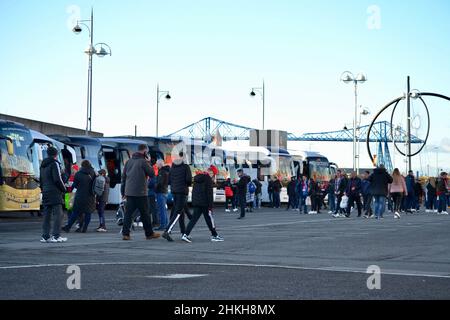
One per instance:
[(202, 201), (53, 189)]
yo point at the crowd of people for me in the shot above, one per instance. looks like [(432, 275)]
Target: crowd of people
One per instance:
[(146, 194)]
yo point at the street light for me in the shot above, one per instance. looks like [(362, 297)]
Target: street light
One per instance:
[(348, 77), (90, 51), (159, 95), (260, 90), (363, 112), (437, 160)]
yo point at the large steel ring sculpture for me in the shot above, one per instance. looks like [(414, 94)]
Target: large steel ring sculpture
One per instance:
[(395, 102)]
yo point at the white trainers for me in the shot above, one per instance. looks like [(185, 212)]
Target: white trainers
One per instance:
[(227, 210), (396, 215), (186, 238), (43, 240), (336, 215), (217, 239), (235, 209), (444, 212), (57, 240)]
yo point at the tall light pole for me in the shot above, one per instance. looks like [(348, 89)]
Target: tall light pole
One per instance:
[(159, 95), (348, 77), (437, 161), (260, 90), (363, 112), (90, 51)]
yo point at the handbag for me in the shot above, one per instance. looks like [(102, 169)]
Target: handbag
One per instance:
[(68, 200), (308, 201), (344, 202)]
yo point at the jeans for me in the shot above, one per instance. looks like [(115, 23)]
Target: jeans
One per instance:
[(52, 212), (179, 202), (198, 212), (276, 199), (380, 205), (153, 210), (141, 204), (332, 201), (161, 201), (431, 202), (101, 213), (442, 203), (302, 204), (271, 199), (257, 201), (85, 222)]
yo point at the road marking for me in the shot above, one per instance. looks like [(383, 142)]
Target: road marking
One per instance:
[(178, 276), (443, 275)]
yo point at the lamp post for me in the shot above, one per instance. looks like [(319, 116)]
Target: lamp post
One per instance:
[(90, 51), (260, 90), (159, 94), (363, 112), (348, 77), (437, 161)]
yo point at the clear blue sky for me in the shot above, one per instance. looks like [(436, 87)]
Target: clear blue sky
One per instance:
[(210, 53)]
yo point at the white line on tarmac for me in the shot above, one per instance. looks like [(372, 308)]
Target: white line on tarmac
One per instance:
[(331, 269)]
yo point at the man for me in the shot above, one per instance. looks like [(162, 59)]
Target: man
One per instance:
[(134, 189), (340, 186), (202, 201), (292, 194), (410, 199), (270, 192), (102, 201), (276, 192), (180, 179), (353, 193), (162, 186), (242, 191), (258, 194), (53, 190), (331, 195), (379, 181), (367, 196), (442, 193)]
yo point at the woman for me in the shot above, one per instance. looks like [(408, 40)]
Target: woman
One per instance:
[(228, 195), (84, 202), (397, 189)]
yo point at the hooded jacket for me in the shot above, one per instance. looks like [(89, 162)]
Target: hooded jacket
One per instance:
[(84, 197), (202, 191), (134, 176), (379, 181), (180, 177), (163, 180), (52, 186)]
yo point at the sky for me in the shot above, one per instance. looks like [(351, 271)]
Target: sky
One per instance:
[(209, 54)]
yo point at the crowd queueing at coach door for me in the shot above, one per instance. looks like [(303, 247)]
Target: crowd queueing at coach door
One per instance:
[(148, 175)]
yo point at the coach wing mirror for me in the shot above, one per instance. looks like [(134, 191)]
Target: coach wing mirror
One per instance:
[(10, 146)]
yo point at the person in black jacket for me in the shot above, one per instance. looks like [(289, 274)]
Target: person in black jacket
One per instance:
[(292, 194), (202, 201), (180, 179), (242, 191), (53, 190), (340, 183), (379, 181), (162, 186), (84, 202), (353, 192)]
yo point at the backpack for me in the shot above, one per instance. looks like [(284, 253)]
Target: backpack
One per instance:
[(251, 187), (98, 186), (228, 192)]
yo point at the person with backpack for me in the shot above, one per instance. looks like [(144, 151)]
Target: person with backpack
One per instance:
[(84, 203), (228, 195), (101, 190), (53, 189), (379, 182), (250, 195), (203, 201), (180, 179)]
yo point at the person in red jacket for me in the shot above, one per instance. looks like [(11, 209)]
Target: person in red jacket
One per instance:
[(202, 201)]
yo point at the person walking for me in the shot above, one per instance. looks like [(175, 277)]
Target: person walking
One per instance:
[(331, 195), (443, 189), (134, 189), (379, 181), (203, 201), (410, 181), (102, 201), (228, 195), (53, 189), (367, 196), (84, 202), (242, 191), (151, 194), (353, 193), (162, 188), (303, 192), (397, 190), (235, 200), (180, 179), (250, 195)]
